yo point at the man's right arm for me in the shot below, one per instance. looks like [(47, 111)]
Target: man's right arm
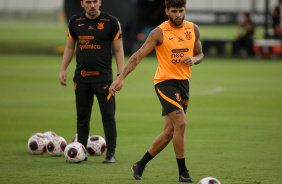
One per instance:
[(68, 54), (153, 39)]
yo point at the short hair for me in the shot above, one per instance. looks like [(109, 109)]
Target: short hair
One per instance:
[(175, 3)]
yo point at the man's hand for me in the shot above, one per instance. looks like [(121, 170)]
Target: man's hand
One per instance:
[(189, 61), (63, 78), (116, 86)]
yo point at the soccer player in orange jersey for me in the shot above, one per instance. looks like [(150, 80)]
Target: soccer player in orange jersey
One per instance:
[(178, 48)]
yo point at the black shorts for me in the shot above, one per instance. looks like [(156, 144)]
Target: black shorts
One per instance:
[(173, 95)]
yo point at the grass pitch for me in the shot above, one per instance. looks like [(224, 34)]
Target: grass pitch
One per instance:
[(233, 133)]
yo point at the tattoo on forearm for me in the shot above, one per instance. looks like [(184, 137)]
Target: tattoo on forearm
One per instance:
[(133, 61), (124, 71), (198, 47)]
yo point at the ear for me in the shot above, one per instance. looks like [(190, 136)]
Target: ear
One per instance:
[(166, 11), (81, 3)]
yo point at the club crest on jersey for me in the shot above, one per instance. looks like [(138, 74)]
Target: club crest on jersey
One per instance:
[(100, 25), (188, 35)]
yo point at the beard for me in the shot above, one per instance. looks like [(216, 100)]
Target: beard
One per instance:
[(174, 22), (92, 13)]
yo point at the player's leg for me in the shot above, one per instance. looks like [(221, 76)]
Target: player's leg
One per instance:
[(178, 119), (164, 138), (158, 145), (107, 109), (84, 102)]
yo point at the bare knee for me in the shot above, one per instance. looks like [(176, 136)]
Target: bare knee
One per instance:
[(180, 126), (168, 134)]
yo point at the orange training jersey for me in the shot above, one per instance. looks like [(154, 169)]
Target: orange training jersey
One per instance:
[(177, 43)]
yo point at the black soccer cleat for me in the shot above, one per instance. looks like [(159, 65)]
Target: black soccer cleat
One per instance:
[(185, 177), (110, 158), (85, 159), (138, 171)]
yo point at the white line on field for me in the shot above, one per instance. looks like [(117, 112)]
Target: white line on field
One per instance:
[(208, 92)]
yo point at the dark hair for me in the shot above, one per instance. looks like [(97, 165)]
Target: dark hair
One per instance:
[(175, 3)]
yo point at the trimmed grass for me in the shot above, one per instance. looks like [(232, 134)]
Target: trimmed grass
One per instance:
[(44, 37), (233, 132)]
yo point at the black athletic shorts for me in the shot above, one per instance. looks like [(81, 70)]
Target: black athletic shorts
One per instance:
[(173, 95)]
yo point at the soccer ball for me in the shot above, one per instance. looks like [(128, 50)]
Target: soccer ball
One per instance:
[(75, 152), (74, 139), (37, 144), (96, 145), (56, 146), (209, 180), (50, 135)]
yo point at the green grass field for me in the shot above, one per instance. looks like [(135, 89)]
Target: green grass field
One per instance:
[(233, 133), (43, 37)]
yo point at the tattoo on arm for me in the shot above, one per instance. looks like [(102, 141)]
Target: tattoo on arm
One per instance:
[(133, 61), (197, 33), (198, 47), (179, 111), (151, 34)]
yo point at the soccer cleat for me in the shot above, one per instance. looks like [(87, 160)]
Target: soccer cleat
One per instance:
[(110, 158), (138, 171), (85, 159), (185, 177)]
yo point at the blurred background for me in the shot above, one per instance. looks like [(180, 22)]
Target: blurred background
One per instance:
[(40, 26)]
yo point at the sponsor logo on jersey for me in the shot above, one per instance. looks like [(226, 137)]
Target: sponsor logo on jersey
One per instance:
[(80, 18), (89, 73), (171, 38), (84, 43), (188, 35), (104, 19), (100, 25), (90, 27), (177, 54), (178, 98), (92, 46), (185, 102), (187, 27), (167, 29), (180, 39), (80, 25), (179, 50)]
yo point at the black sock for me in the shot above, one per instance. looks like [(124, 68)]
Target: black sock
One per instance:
[(146, 158), (181, 166)]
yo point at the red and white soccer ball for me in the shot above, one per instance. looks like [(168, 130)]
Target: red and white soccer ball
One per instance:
[(74, 139), (55, 146), (37, 144), (209, 180), (75, 152), (96, 145), (50, 135)]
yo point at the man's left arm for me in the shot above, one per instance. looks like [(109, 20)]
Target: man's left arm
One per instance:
[(119, 54), (198, 53)]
